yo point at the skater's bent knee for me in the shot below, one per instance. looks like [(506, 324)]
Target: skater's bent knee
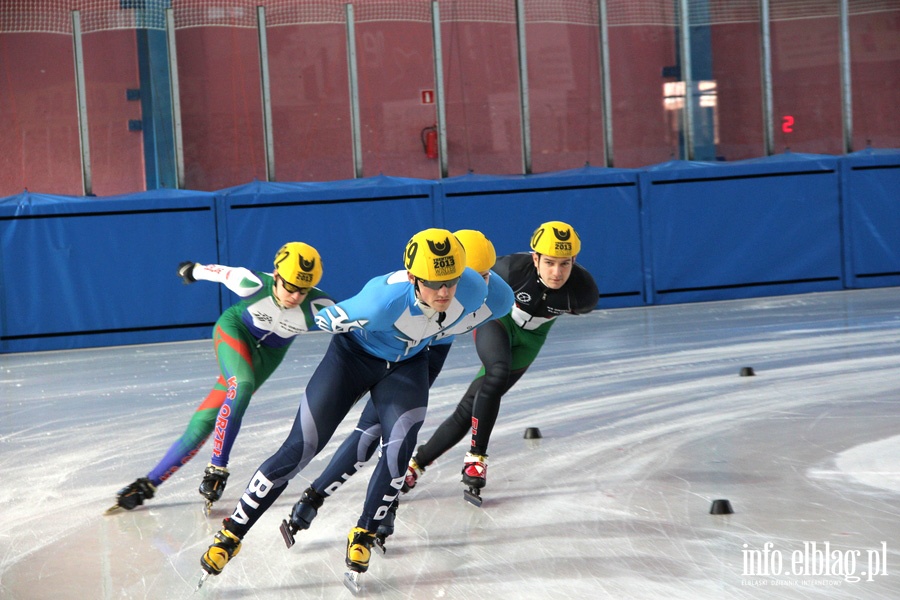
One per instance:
[(496, 375)]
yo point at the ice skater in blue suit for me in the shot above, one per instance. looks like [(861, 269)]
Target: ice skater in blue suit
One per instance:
[(360, 445), (385, 329)]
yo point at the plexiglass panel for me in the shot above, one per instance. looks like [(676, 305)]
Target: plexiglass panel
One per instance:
[(117, 153), (646, 112), (310, 102), (875, 73), (221, 106), (481, 81), (733, 104), (396, 93), (564, 85), (222, 110), (38, 115), (806, 77)]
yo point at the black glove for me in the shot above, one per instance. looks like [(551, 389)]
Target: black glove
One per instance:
[(186, 271)]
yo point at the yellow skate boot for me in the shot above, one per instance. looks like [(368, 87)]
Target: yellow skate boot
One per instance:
[(226, 547), (359, 549)]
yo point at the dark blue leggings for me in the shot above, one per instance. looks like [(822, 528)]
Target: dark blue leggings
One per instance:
[(399, 396), (361, 444)]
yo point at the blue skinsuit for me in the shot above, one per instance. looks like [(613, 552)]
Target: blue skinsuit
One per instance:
[(360, 445), (380, 352)]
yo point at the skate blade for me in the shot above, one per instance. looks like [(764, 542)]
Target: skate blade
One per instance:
[(200, 583), (113, 509), (352, 581), (287, 533), (379, 546), (207, 508), (473, 496)]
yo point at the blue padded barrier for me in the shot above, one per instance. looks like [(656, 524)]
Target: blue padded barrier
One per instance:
[(80, 272), (763, 227), (360, 227), (602, 205), (871, 192)]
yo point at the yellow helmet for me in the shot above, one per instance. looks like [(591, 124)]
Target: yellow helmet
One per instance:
[(480, 254), (435, 255), (299, 264), (555, 238)]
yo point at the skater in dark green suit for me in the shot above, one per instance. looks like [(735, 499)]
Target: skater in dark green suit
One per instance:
[(547, 283)]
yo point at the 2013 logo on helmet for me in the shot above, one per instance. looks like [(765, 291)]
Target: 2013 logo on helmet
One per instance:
[(444, 265)]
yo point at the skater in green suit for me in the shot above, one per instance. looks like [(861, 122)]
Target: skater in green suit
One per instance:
[(250, 339)]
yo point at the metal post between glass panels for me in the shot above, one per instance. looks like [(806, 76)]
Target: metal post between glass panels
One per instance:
[(81, 99), (523, 87), (354, 93), (268, 140), (176, 98), (766, 77), (846, 83), (440, 102), (687, 123), (606, 90)]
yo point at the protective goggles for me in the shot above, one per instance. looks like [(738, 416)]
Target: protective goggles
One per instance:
[(290, 288), (436, 285)]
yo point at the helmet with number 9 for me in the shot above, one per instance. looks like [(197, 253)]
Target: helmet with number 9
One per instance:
[(557, 239), (480, 254), (434, 255), (299, 264)]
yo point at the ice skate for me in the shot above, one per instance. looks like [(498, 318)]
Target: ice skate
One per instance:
[(386, 528), (359, 550), (304, 512), (474, 475), (132, 495), (412, 475), (213, 485), (226, 547)]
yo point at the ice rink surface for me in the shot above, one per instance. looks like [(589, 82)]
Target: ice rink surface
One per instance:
[(645, 421)]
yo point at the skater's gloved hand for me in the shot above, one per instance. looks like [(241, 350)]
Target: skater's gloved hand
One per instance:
[(186, 271)]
